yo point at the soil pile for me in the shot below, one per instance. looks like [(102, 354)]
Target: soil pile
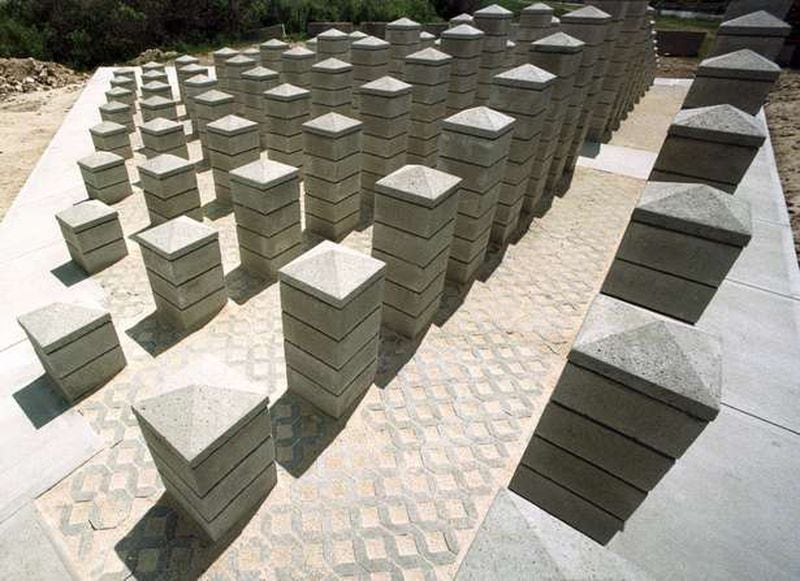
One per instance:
[(29, 75), (155, 55)]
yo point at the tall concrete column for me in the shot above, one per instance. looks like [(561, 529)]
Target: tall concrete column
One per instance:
[(460, 19), (370, 59), (403, 38), (194, 68), (495, 22), (234, 67), (428, 72), (271, 52), (286, 108), (614, 69), (426, 40), (194, 86), (759, 31), (465, 44), (232, 142), (296, 66), (210, 106), (331, 87), (534, 23), (255, 82), (220, 57), (630, 35), (333, 43)]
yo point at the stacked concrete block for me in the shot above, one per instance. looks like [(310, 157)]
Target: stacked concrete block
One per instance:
[(170, 188), (234, 67), (614, 70), (465, 44), (495, 22), (331, 87), (331, 307), (194, 86), (356, 35), (296, 66), (742, 78), (77, 346), (534, 23), (116, 112), (93, 235), (186, 72), (213, 449), (286, 108), (232, 142), (523, 93), (711, 145), (627, 58), (474, 146), (155, 107), (220, 57), (121, 95), (332, 145), (680, 244), (385, 110), (112, 137), (271, 52), (255, 82), (333, 43), (636, 392), (415, 212), (161, 136), (460, 19), (370, 59), (426, 40), (428, 72), (154, 77), (124, 82), (184, 267), (266, 206), (209, 107), (105, 177), (130, 73), (759, 31), (153, 66), (157, 89), (403, 37)]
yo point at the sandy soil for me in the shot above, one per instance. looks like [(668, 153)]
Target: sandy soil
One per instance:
[(27, 124)]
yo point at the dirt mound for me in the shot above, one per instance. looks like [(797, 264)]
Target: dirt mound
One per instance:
[(155, 55), (28, 75)]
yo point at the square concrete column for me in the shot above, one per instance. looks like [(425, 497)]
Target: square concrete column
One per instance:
[(415, 211), (428, 72), (759, 31), (296, 66), (711, 145), (331, 307), (170, 188), (680, 244), (534, 23), (403, 37), (155, 107), (286, 108), (121, 95), (385, 110), (194, 86), (465, 44), (356, 35), (523, 93), (184, 267), (93, 235), (630, 33), (742, 78), (460, 19), (185, 73), (124, 82), (271, 54), (220, 57), (266, 206), (426, 40), (161, 136), (77, 346), (209, 107), (474, 146), (332, 145), (117, 112), (232, 142), (333, 43), (559, 54), (153, 66), (495, 22), (154, 76), (112, 137), (614, 69), (213, 449), (370, 59), (234, 67), (129, 72), (255, 82), (157, 89), (636, 392), (105, 177), (331, 87)]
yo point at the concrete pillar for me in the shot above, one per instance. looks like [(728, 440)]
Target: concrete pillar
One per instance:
[(157, 89), (428, 72), (161, 136), (426, 40), (184, 266), (778, 8), (523, 93), (711, 145), (495, 22), (123, 82), (333, 43), (93, 235), (460, 19), (286, 108), (155, 76), (385, 110), (219, 466), (185, 73), (331, 87), (271, 52), (210, 106), (105, 177), (759, 31), (331, 311), (332, 182), (232, 142), (370, 58), (234, 67), (681, 243), (266, 206), (296, 66), (559, 54), (170, 188), (112, 137), (474, 146), (121, 96), (255, 82), (403, 38), (153, 66), (130, 73), (613, 71), (742, 78), (220, 57), (630, 32), (534, 23), (356, 35), (155, 107), (415, 211), (465, 44), (117, 112), (636, 392), (194, 86)]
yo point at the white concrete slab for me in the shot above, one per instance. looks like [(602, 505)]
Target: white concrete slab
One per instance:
[(28, 552), (627, 161)]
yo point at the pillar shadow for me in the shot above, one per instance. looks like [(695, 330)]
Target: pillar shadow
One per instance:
[(41, 401), (394, 352), (494, 258), (69, 273), (155, 336), (453, 297), (590, 149), (243, 286), (214, 210)]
